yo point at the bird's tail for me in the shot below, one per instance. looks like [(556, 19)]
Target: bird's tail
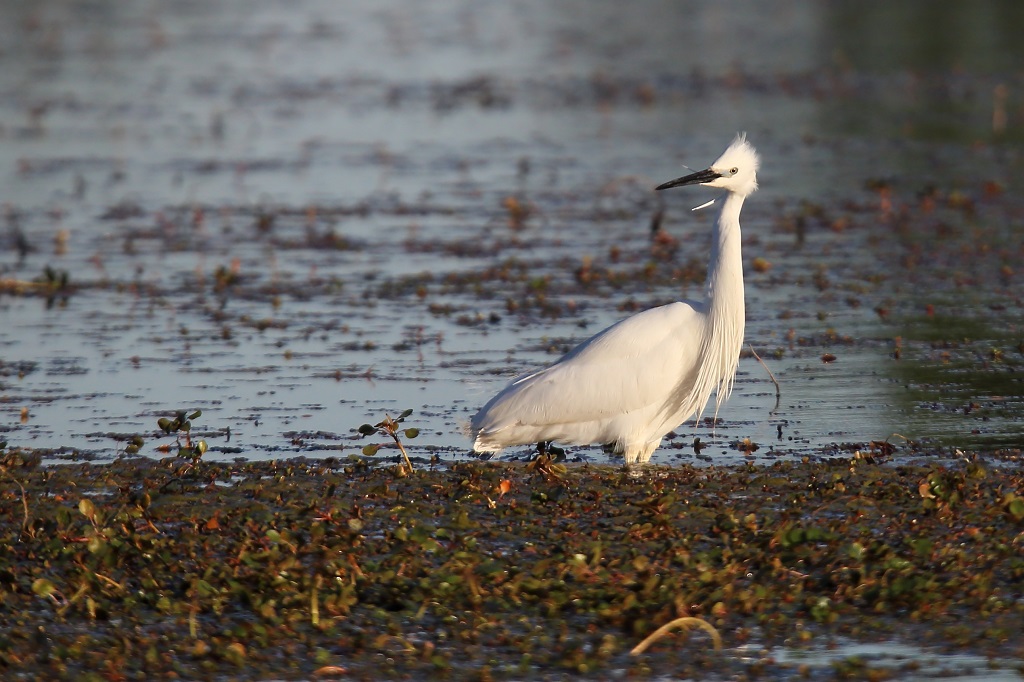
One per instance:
[(481, 443)]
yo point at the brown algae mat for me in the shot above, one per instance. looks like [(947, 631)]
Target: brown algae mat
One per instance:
[(317, 569)]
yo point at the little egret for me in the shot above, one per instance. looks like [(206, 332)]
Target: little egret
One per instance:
[(629, 385)]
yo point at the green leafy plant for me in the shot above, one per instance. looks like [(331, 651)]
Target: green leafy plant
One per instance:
[(181, 427), (135, 443), (55, 285), (54, 280), (389, 427)]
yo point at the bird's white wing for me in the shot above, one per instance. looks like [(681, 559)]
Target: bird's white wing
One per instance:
[(628, 366)]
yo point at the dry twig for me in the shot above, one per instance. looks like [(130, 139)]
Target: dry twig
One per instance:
[(685, 620)]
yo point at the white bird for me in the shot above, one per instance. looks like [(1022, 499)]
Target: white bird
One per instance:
[(629, 385)]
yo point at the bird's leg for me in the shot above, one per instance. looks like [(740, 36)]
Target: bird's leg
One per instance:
[(547, 449), (543, 458)]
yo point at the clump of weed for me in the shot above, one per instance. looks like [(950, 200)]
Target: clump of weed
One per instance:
[(389, 427), (181, 427)]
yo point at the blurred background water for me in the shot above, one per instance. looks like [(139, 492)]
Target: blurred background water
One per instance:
[(300, 216)]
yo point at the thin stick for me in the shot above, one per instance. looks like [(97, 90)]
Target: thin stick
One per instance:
[(778, 392), (315, 603), (685, 620), (109, 581), (404, 453), (390, 427), (26, 523)]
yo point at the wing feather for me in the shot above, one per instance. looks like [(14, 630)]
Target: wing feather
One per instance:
[(629, 366)]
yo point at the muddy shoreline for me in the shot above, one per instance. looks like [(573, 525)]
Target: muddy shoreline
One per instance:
[(299, 569)]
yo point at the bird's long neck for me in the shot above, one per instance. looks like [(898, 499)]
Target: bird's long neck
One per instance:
[(722, 330), (725, 273), (726, 310)]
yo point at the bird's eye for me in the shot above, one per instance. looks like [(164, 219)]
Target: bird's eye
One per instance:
[(734, 171)]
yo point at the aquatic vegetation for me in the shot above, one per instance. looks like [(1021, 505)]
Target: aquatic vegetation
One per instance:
[(181, 427), (390, 427), (54, 285), (526, 569)]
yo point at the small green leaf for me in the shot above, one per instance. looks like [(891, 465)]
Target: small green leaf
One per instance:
[(371, 450), (87, 508), (186, 427), (165, 424), (43, 587), (923, 546), (204, 589), (411, 433), (462, 520), (196, 415), (367, 430), (201, 447), (404, 415)]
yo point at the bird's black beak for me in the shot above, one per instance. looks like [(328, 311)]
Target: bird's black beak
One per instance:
[(698, 178)]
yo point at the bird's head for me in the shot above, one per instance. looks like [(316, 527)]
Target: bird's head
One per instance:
[(735, 170)]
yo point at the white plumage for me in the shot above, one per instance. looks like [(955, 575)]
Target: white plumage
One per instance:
[(629, 385)]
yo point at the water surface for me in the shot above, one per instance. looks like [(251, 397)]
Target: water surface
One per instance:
[(301, 218)]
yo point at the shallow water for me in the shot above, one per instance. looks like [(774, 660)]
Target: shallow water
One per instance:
[(907, 661), (300, 220)]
